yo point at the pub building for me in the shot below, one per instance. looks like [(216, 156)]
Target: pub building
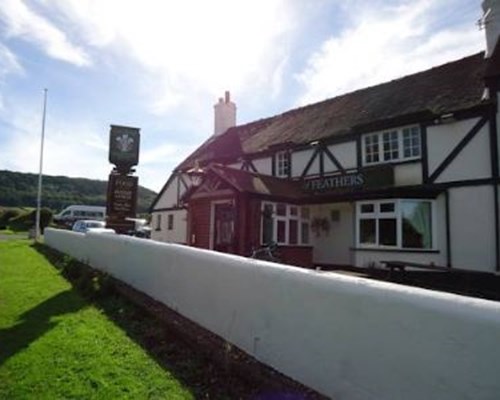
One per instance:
[(406, 170)]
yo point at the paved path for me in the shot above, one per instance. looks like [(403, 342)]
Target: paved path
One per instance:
[(14, 236)]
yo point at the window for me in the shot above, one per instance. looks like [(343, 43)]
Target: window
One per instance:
[(371, 148), (158, 222), (393, 145), (170, 222), (283, 164), (411, 142), (397, 223), (390, 145), (285, 224)]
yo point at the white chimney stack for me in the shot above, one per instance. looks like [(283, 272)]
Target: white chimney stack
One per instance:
[(491, 23), (225, 114)]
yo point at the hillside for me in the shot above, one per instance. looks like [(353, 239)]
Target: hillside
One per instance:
[(20, 190)]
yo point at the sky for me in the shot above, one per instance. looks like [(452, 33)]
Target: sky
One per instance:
[(161, 66)]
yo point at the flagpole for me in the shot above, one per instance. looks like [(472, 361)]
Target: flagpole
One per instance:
[(39, 196)]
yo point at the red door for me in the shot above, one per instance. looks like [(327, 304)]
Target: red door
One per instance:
[(224, 221)]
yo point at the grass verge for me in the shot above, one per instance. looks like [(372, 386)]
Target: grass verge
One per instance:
[(55, 344)]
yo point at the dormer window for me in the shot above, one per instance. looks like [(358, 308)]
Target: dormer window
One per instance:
[(283, 164), (392, 145)]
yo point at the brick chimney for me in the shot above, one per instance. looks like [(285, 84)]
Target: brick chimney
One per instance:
[(491, 23), (225, 114)]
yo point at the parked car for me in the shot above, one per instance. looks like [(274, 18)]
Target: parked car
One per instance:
[(87, 225), (141, 228)]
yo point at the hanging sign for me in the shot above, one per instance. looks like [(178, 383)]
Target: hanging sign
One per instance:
[(124, 146)]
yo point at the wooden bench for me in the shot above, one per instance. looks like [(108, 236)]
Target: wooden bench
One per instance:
[(402, 265)]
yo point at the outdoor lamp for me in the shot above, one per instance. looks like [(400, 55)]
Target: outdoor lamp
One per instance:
[(196, 174)]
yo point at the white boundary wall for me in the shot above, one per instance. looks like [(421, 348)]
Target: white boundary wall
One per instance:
[(349, 338)]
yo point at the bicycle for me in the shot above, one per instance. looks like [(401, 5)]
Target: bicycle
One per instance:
[(267, 252)]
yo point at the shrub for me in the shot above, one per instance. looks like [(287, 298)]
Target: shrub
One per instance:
[(7, 214), (27, 220)]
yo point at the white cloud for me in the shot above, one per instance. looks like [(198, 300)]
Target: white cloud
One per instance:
[(188, 47), (385, 43), (22, 22), (8, 65)]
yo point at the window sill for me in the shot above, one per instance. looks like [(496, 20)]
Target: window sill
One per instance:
[(395, 162), (395, 250)]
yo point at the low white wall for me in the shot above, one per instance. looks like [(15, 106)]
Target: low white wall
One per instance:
[(349, 338)]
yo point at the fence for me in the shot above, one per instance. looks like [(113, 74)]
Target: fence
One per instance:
[(346, 337)]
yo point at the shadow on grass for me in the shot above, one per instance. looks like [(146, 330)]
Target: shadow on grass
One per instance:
[(36, 322), (169, 344)]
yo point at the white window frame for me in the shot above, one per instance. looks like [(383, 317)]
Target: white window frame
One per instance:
[(398, 215), (380, 141), (286, 218), (283, 164)]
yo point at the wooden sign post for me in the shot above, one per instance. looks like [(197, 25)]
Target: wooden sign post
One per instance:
[(122, 186)]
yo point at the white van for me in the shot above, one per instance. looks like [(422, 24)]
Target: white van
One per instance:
[(74, 213)]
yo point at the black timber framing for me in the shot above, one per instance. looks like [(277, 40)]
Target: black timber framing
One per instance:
[(247, 165), (359, 153), (333, 159), (170, 209), (178, 199), (273, 164), (448, 230), (425, 154), (310, 162), (458, 148), (321, 156), (495, 174)]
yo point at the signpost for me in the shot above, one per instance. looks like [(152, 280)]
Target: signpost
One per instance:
[(122, 186)]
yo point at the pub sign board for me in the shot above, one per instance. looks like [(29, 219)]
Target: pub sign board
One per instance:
[(124, 146), (122, 195), (364, 178)]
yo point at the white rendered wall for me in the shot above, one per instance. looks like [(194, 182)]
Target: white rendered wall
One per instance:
[(472, 226), (473, 162), (179, 232), (334, 246), (263, 165), (348, 338), (300, 160), (408, 174), (442, 139), (345, 153)]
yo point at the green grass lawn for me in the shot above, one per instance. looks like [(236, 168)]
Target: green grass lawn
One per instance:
[(56, 345)]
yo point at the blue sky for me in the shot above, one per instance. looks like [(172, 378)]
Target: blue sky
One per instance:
[(162, 65)]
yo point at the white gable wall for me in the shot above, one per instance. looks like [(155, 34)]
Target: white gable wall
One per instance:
[(178, 234), (169, 197)]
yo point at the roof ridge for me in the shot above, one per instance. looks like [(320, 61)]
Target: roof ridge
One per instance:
[(360, 90)]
